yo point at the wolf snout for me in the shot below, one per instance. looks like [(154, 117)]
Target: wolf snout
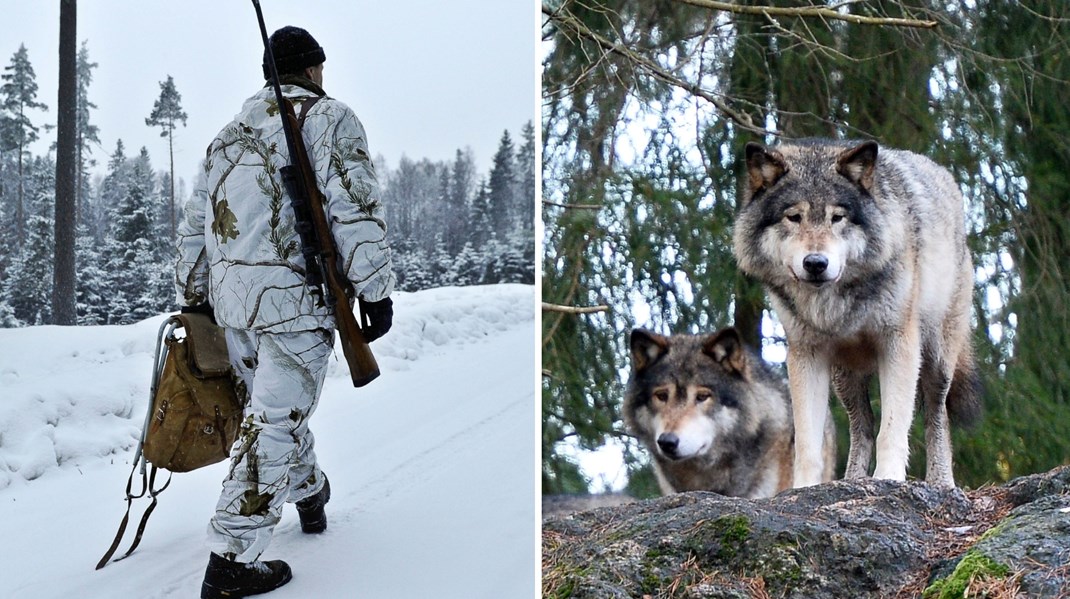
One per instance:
[(669, 443), (815, 264)]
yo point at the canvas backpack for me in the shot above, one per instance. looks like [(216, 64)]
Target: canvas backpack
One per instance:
[(194, 412)]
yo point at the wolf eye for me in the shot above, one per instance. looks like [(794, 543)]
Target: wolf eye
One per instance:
[(836, 218), (662, 396), (702, 396), (795, 218)]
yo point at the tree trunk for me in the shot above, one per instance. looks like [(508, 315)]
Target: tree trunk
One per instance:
[(171, 150), (63, 304)]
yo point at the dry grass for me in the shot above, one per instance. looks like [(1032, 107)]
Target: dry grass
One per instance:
[(950, 540)]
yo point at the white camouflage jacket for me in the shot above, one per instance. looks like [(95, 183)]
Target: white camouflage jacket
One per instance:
[(237, 247)]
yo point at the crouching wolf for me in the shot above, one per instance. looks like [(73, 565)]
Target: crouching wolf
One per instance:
[(864, 257), (713, 414)]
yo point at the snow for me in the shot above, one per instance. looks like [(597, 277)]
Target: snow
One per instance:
[(432, 466)]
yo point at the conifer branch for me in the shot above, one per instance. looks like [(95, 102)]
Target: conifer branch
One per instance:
[(563, 19)]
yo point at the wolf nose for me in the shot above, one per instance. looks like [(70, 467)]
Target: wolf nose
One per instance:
[(668, 442), (815, 264)]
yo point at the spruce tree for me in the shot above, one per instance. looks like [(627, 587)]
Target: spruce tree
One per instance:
[(501, 187), (166, 114), (19, 93), (524, 194), (28, 285), (480, 220), (461, 180), (92, 289), (87, 134)]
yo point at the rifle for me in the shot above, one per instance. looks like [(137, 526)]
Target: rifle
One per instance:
[(323, 267)]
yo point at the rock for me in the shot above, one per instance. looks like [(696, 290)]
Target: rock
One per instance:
[(858, 538)]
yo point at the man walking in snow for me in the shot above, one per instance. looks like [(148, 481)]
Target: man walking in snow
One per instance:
[(239, 258)]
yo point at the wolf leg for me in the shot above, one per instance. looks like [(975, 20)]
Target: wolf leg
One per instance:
[(853, 391), (898, 370), (933, 385), (808, 380)]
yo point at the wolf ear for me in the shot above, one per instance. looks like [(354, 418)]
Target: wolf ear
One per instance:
[(726, 348), (764, 166), (858, 164), (647, 347)]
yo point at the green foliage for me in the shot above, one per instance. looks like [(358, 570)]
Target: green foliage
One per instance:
[(167, 112)]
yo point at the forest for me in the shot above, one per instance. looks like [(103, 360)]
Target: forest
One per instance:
[(450, 224), (646, 109)]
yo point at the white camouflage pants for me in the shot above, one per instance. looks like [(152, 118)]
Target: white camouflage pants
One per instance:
[(272, 460)]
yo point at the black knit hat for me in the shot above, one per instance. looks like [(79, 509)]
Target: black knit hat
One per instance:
[(295, 50)]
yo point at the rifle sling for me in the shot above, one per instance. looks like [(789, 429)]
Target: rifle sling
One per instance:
[(305, 107)]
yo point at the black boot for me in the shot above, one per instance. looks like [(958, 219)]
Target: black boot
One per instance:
[(310, 509), (228, 579)]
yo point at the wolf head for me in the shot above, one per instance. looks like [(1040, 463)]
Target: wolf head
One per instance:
[(692, 395), (805, 214)]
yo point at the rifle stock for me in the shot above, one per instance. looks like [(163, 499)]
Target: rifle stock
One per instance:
[(308, 204)]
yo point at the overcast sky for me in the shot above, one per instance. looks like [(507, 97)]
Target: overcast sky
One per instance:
[(425, 77)]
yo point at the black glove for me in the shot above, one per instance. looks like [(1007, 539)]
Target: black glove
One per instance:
[(377, 317), (204, 308)]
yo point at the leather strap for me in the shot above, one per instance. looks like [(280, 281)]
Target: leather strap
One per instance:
[(147, 484), (305, 107)]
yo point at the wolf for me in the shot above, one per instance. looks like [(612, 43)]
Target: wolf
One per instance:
[(713, 414), (862, 251)]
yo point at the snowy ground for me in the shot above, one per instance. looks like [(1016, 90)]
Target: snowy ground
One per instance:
[(432, 466)]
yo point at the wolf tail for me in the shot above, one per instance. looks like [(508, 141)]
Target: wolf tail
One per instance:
[(966, 392)]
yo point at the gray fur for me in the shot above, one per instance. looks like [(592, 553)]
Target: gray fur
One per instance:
[(730, 411), (894, 300)]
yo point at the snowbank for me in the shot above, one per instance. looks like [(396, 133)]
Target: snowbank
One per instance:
[(73, 395)]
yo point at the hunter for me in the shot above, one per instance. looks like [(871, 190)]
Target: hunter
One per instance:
[(239, 259)]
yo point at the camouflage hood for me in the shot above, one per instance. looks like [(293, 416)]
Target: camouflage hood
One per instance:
[(237, 246)]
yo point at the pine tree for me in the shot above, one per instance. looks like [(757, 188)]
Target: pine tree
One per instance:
[(166, 114), (66, 209), (19, 95)]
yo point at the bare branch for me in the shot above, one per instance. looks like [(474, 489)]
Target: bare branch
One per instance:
[(573, 309), (565, 21), (820, 12), (572, 206)]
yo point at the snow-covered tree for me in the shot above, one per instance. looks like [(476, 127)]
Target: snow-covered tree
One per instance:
[(524, 193), (130, 252), (88, 135), (461, 181), (27, 287), (501, 187), (19, 94), (92, 289)]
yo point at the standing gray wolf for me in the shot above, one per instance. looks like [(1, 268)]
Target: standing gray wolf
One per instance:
[(864, 257), (713, 414)]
